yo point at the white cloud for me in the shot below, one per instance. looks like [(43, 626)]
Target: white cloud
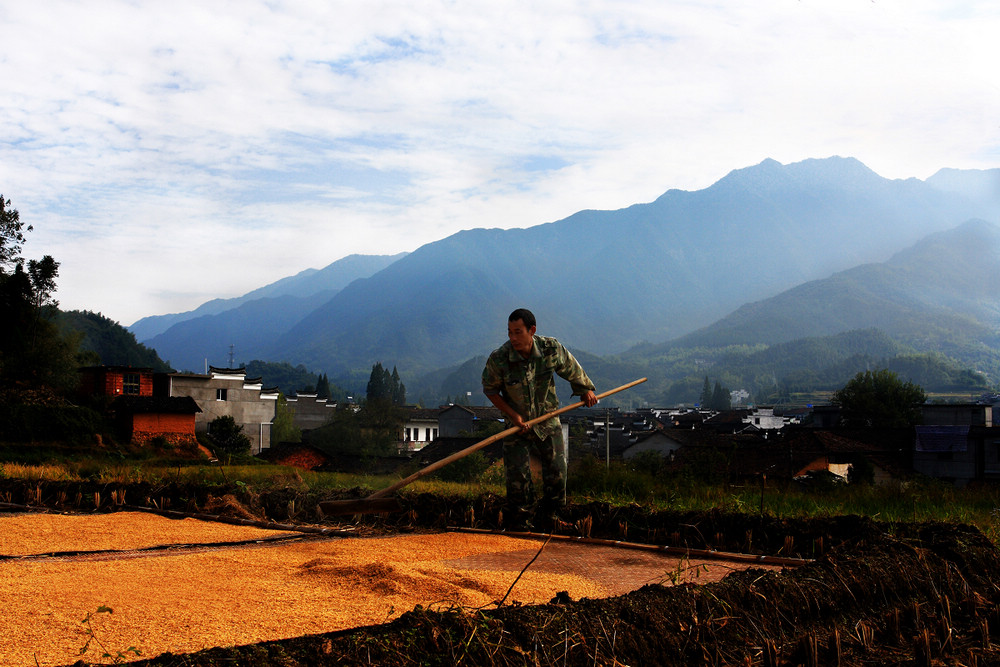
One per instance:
[(174, 152)]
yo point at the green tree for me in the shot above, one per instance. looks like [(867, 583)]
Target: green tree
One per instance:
[(33, 351), (11, 236), (228, 436), (879, 399), (323, 387), (378, 384), (721, 398), (385, 386), (466, 469), (861, 472), (43, 281), (396, 388), (706, 394)]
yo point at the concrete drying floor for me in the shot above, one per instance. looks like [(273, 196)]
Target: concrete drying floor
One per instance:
[(172, 585)]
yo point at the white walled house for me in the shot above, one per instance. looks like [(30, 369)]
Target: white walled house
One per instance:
[(228, 392), (421, 428), (766, 420)]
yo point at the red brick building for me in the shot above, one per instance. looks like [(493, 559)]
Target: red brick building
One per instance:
[(139, 415), (140, 419), (116, 381)]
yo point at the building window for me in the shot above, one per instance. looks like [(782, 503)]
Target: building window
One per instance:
[(130, 384), (220, 394)]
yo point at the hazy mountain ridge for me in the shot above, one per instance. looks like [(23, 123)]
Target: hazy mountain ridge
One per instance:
[(938, 287), (309, 282), (928, 310), (604, 281)]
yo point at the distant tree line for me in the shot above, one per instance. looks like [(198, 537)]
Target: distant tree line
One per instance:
[(384, 386), (717, 398), (772, 374)]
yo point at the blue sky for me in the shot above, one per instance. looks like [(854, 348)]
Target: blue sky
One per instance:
[(171, 153)]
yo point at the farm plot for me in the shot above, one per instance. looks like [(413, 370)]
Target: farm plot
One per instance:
[(128, 583)]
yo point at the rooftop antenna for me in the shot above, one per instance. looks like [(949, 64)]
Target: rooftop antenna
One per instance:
[(231, 346)]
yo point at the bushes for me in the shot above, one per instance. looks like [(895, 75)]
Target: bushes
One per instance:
[(37, 423), (228, 436)]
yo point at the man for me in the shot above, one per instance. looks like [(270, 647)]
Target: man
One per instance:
[(518, 380)]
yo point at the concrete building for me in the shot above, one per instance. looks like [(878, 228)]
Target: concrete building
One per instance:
[(310, 411), (227, 392)]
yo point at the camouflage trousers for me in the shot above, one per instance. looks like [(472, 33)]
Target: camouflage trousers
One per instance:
[(517, 453)]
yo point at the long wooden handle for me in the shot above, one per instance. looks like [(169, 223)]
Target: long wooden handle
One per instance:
[(437, 465)]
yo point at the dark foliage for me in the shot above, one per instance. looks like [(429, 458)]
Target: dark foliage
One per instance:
[(879, 399), (227, 436), (113, 344), (44, 423)]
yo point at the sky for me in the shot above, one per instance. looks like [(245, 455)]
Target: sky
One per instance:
[(170, 153)]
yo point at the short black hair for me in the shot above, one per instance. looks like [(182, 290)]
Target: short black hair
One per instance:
[(524, 315)]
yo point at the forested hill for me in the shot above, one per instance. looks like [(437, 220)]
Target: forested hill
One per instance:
[(938, 294), (104, 341)]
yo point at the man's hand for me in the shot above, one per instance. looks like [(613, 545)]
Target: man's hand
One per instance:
[(514, 419), (518, 420), (589, 399)]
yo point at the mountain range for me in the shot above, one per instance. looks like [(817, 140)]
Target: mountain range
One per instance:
[(767, 255)]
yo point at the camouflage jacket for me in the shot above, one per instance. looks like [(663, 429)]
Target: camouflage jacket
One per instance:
[(528, 386)]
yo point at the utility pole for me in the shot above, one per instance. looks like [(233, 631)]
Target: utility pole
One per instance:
[(607, 438)]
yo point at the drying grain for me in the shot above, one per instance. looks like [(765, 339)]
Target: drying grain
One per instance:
[(185, 600)]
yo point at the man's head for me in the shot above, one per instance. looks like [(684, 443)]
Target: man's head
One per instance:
[(521, 330)]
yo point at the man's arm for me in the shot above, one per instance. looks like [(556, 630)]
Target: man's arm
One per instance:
[(571, 371), (512, 416)]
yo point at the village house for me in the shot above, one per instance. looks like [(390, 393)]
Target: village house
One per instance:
[(423, 426), (143, 419), (458, 420), (420, 428), (765, 419), (226, 392), (138, 415), (957, 443), (309, 411), (659, 442)]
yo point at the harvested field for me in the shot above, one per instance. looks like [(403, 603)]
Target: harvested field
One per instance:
[(875, 594), (186, 585)]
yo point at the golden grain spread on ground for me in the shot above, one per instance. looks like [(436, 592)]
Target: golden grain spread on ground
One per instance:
[(182, 600)]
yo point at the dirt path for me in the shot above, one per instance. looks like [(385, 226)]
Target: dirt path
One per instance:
[(186, 598)]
